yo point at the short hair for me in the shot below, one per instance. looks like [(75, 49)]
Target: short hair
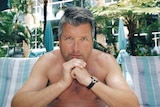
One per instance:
[(76, 16)]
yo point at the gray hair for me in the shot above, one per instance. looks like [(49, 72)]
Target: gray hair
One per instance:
[(76, 16)]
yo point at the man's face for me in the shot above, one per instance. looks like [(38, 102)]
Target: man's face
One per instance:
[(76, 41)]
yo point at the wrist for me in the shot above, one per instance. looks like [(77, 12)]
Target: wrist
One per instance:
[(63, 85), (93, 81)]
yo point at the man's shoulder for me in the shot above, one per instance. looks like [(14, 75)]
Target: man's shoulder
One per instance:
[(51, 56), (102, 56)]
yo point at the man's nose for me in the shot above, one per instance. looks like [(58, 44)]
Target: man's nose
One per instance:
[(76, 45)]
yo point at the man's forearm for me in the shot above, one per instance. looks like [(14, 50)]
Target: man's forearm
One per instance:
[(115, 98), (37, 98)]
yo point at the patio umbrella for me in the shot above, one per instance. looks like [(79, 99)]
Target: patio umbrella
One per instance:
[(121, 35), (5, 4), (48, 37), (121, 42)]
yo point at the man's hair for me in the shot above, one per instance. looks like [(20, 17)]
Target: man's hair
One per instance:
[(76, 16)]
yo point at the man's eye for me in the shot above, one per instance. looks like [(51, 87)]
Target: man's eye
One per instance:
[(84, 38), (68, 38)]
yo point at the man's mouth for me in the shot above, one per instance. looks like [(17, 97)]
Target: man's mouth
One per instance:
[(75, 56)]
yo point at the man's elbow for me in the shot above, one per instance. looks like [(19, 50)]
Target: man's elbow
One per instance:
[(14, 102), (134, 102)]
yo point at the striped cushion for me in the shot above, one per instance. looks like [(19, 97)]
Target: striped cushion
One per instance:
[(143, 75), (13, 73)]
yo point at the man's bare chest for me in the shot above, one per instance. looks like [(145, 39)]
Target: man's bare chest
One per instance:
[(77, 95), (77, 92)]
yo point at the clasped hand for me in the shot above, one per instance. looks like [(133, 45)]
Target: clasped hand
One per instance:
[(75, 69)]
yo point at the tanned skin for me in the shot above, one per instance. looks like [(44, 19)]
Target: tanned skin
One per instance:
[(68, 71)]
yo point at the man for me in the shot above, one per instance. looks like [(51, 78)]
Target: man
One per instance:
[(78, 75)]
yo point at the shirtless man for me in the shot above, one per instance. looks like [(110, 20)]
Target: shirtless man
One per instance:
[(78, 75)]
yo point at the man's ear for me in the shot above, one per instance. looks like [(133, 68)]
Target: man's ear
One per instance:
[(59, 40)]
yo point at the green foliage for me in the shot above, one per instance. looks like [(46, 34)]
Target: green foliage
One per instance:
[(104, 26), (136, 23), (139, 3), (2, 50), (22, 6), (6, 26), (147, 3), (12, 28)]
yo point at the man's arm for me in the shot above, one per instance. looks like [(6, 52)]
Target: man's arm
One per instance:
[(34, 92), (117, 92)]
